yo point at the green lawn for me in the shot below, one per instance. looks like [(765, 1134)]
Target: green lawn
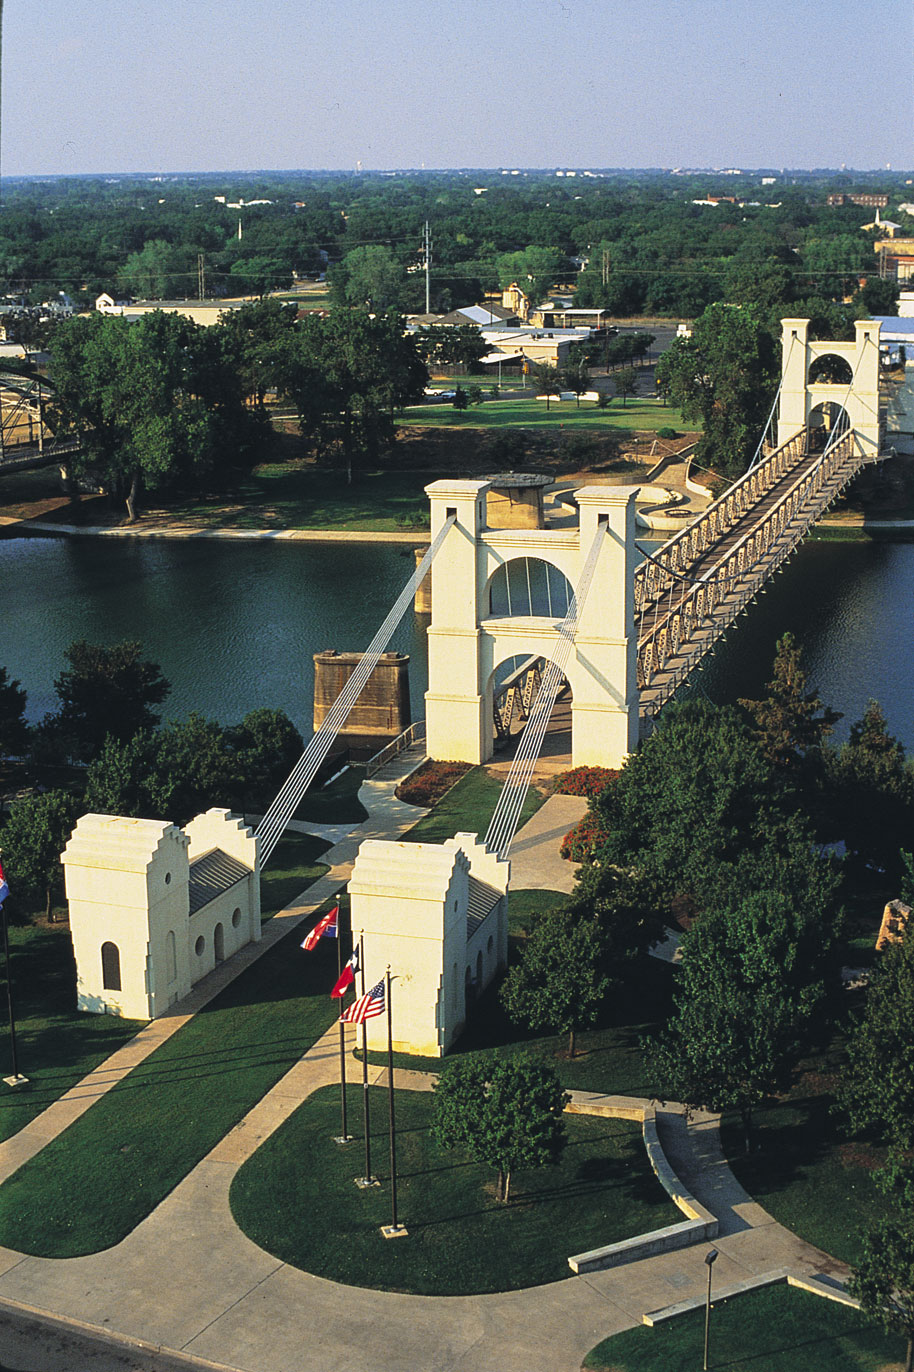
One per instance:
[(608, 1057), (57, 1046), (337, 803), (96, 1181), (528, 413), (296, 1198), (468, 808), (806, 1171), (775, 1329), (525, 907), (294, 495)]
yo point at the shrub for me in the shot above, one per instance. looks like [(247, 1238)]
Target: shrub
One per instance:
[(667, 432), (584, 781), (587, 836)]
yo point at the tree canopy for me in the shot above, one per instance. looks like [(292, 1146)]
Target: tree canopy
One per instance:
[(106, 691)]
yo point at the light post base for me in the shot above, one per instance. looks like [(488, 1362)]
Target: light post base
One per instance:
[(364, 1182), (17, 1080), (344, 1138), (394, 1231)]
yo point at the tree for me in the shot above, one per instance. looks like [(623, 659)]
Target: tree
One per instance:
[(875, 791), (13, 728), (266, 746), (877, 1087), (533, 269), (256, 338), (153, 403), (724, 375), (195, 769), (506, 1112), (628, 909), (348, 374), (791, 722), (878, 296), (576, 378), (744, 998), (156, 272), (369, 277), (121, 778), (106, 691), (461, 400), (697, 794), (33, 838), (626, 383), (883, 1279), (560, 983), (546, 380)]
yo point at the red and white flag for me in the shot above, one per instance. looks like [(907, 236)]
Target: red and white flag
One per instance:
[(366, 1007), (325, 928), (347, 976)]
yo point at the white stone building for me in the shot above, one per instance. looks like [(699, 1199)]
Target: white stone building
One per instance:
[(153, 908)]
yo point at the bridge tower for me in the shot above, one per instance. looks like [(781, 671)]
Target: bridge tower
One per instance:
[(824, 379), (467, 642)]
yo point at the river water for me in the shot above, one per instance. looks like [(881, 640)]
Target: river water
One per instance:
[(234, 625)]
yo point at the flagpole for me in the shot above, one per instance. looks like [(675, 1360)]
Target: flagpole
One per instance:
[(390, 1083), (16, 1078), (368, 1179), (344, 1135)]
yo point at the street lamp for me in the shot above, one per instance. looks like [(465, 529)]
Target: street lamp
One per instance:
[(710, 1258)]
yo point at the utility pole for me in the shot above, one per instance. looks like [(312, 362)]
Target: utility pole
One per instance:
[(201, 277), (427, 246), (606, 266)]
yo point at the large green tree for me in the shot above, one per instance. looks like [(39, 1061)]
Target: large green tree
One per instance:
[(724, 376), (559, 983), (875, 792), (13, 728), (154, 403), (745, 996), (506, 1112), (32, 840), (883, 1279), (369, 277), (106, 691)]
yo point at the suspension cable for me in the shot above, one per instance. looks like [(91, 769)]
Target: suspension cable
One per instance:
[(289, 796), (506, 814)]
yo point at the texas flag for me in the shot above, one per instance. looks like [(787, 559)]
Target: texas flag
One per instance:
[(4, 889), (325, 928), (347, 976)]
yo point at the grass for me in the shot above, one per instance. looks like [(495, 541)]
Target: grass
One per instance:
[(775, 1329), (529, 413), (467, 808), (608, 1057), (337, 803), (293, 866), (805, 1170), (293, 495), (525, 907), (56, 1045), (94, 1183), (296, 1198)]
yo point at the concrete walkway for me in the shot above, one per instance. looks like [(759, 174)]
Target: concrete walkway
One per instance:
[(188, 1280), (535, 860)]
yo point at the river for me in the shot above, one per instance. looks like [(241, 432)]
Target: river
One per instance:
[(234, 624)]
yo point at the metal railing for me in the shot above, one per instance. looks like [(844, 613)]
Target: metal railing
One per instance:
[(413, 733)]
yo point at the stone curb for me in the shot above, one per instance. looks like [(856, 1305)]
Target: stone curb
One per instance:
[(699, 1225), (740, 1288)]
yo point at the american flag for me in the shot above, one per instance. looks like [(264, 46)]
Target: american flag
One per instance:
[(365, 1007)]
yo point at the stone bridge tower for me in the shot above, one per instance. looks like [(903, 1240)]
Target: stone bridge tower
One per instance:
[(829, 383), (468, 641)]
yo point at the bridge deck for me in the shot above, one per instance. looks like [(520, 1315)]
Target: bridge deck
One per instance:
[(702, 596)]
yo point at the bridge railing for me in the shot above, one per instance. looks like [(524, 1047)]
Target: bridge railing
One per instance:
[(673, 638), (654, 576), (413, 733)]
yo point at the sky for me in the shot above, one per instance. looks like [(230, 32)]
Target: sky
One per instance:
[(106, 86)]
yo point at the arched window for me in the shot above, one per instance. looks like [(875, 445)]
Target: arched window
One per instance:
[(830, 370), (111, 967), (529, 586)]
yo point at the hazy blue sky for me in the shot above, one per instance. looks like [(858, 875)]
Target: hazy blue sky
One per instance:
[(178, 85)]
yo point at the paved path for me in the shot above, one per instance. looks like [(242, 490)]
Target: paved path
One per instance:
[(188, 1280), (535, 860)]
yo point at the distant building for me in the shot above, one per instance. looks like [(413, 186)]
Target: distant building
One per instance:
[(200, 311), (868, 200)]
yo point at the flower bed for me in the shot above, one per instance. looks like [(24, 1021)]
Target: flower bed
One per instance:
[(585, 838), (430, 782), (584, 781)]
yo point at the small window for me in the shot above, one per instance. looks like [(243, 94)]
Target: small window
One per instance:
[(167, 878), (199, 946), (236, 917), (490, 944), (111, 967)]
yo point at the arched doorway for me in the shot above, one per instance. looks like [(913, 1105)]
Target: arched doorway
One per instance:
[(512, 691), (828, 422)]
